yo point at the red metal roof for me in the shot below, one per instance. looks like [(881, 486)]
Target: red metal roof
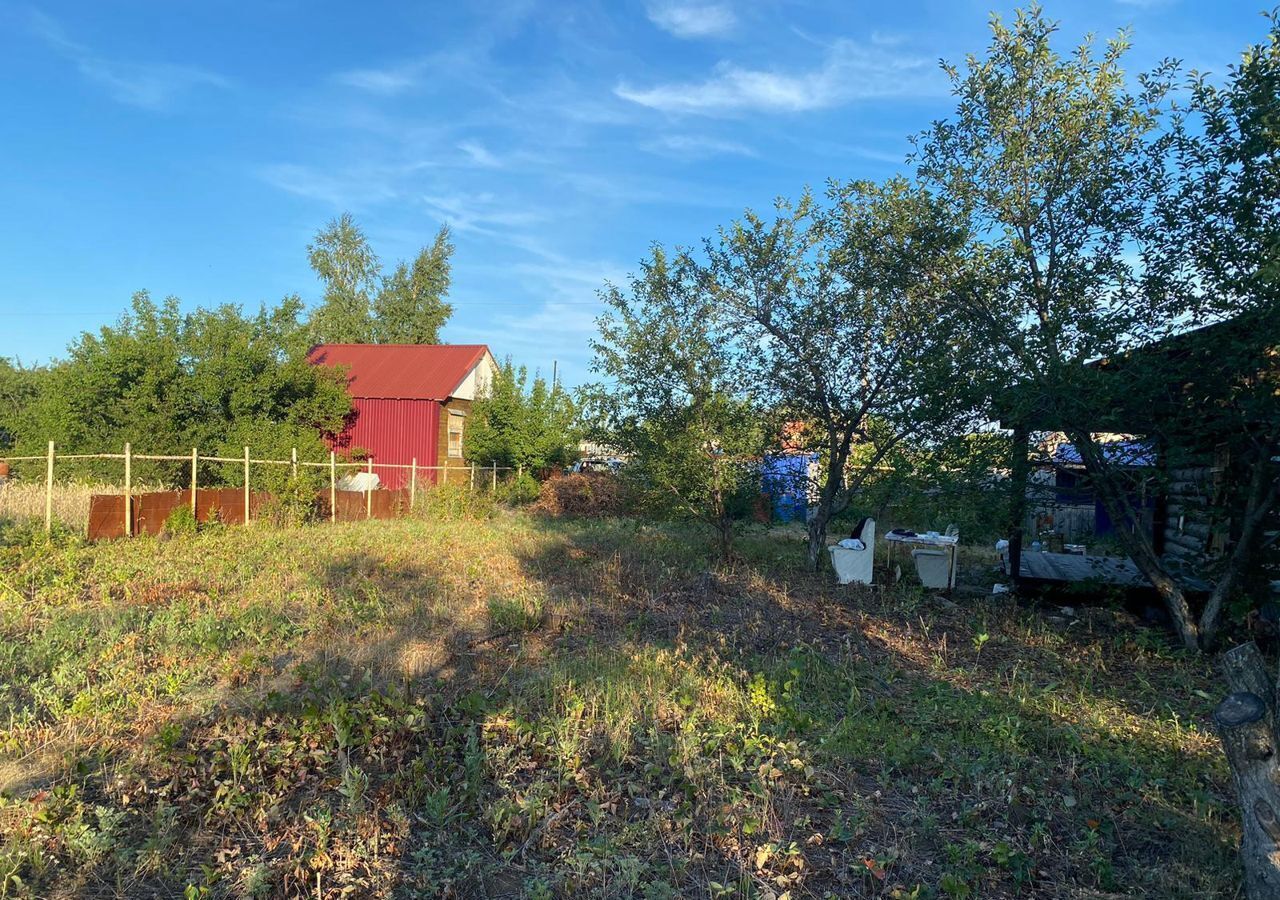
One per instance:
[(401, 371)]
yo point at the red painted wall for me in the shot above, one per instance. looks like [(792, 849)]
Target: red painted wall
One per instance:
[(394, 431)]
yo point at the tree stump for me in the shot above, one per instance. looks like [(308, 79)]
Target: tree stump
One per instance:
[(1247, 728), (1245, 672)]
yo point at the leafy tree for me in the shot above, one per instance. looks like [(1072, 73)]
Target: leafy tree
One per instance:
[(1216, 239), (19, 387), (844, 318), (410, 306), (363, 305), (672, 401), (164, 381), (519, 424), (1051, 158), (343, 259), (951, 482)]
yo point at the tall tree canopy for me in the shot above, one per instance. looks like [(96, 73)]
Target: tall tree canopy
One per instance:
[(1107, 224), (364, 305), (164, 380), (1216, 241)]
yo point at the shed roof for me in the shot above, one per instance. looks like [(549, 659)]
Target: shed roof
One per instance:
[(1238, 345), (401, 371)]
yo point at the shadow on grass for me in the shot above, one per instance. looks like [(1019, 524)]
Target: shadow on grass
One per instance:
[(591, 709)]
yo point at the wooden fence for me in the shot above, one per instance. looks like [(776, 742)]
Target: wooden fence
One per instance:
[(148, 512)]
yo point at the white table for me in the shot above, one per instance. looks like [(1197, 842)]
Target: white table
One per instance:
[(950, 542)]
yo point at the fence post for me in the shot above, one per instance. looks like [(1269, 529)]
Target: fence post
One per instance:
[(493, 489), (195, 459), (128, 490), (520, 472), (333, 487), (368, 491), (295, 463), (413, 481), (445, 479), (48, 492), (246, 485), (473, 476)]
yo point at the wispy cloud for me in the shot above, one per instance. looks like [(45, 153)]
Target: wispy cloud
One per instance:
[(342, 188), (692, 147), (850, 72), (479, 155), (559, 324), (482, 213), (153, 86), (692, 20), (389, 80)]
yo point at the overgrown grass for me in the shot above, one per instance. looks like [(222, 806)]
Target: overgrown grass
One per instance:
[(480, 703)]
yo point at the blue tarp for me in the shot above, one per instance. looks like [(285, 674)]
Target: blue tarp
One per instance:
[(785, 478), (1121, 453)]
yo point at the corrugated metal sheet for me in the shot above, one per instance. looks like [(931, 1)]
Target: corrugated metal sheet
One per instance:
[(401, 371), (393, 431)]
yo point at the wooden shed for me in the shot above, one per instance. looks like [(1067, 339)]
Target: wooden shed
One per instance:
[(1193, 467), (410, 402)]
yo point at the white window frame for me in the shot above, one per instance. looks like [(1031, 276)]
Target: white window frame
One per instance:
[(461, 418)]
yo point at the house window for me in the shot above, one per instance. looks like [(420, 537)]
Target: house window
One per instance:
[(455, 434)]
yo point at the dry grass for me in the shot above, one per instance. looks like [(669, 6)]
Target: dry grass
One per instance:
[(24, 500)]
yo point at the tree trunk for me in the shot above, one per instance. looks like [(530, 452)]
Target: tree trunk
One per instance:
[(817, 537), (1261, 498), (838, 457), (1019, 471), (725, 527), (1246, 673), (1247, 729), (1135, 543)]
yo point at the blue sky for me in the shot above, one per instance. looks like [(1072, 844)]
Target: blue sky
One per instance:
[(192, 149)]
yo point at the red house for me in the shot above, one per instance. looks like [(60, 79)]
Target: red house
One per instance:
[(411, 401)]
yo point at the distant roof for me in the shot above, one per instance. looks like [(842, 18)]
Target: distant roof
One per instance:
[(1121, 453), (401, 371)]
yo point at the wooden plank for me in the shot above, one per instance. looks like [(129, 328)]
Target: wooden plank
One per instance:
[(128, 489), (48, 492)]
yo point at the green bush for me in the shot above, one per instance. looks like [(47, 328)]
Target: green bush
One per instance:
[(521, 490), (181, 521), (295, 499), (454, 502)]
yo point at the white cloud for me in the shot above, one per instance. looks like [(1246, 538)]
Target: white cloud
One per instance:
[(850, 72), (392, 80), (482, 213), (480, 155), (556, 327), (153, 86), (692, 20), (348, 189), (689, 146)]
